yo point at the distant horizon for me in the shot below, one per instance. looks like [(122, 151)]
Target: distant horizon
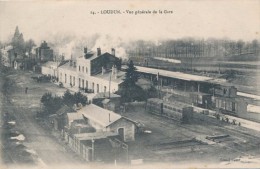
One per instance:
[(46, 20)]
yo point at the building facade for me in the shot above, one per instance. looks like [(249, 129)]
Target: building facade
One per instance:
[(94, 72), (44, 53)]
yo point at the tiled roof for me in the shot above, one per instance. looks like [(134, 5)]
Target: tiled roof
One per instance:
[(99, 115)]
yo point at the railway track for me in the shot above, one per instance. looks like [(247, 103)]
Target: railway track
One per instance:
[(240, 135)]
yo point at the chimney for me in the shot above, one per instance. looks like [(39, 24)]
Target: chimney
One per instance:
[(85, 50), (62, 57), (103, 70), (113, 51), (98, 51), (71, 61), (115, 73)]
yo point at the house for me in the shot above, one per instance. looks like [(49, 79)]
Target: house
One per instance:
[(93, 73), (109, 101), (105, 120), (59, 119), (44, 53), (18, 64), (93, 146), (67, 74), (50, 68)]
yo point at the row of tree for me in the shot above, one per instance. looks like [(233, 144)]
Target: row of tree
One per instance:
[(190, 47), (51, 104), (20, 45)]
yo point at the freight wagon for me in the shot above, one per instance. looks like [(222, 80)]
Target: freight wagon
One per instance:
[(175, 110)]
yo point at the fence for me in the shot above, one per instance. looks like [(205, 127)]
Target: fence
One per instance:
[(78, 147)]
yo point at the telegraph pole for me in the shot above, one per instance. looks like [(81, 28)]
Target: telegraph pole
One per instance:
[(109, 86), (93, 151)]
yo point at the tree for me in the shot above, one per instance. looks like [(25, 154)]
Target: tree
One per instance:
[(68, 98), (129, 91), (18, 41), (131, 75), (29, 45), (118, 63), (80, 98), (51, 104)]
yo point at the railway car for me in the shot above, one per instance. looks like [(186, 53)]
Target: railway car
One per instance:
[(175, 110), (154, 106)]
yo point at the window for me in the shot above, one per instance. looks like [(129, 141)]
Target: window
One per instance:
[(82, 68), (86, 69), (79, 67), (79, 81), (74, 81), (82, 83), (97, 88), (86, 84), (105, 89), (223, 104), (65, 78), (93, 86), (60, 76), (70, 80), (234, 105)]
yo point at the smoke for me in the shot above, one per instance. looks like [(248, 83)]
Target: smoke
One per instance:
[(68, 44), (106, 42)]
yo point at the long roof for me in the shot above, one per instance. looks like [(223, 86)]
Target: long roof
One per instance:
[(99, 115), (171, 74)]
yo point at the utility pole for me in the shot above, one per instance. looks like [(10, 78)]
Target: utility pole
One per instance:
[(93, 150), (109, 86)]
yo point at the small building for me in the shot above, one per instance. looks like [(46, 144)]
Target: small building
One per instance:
[(109, 101), (18, 64), (44, 53), (106, 120), (233, 106), (50, 68), (59, 119), (201, 99), (93, 146)]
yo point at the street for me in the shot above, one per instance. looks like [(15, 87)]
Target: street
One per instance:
[(47, 149)]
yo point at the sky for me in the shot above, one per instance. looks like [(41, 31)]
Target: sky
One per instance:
[(44, 20)]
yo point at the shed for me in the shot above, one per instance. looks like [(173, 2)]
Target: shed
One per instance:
[(59, 119), (106, 120)]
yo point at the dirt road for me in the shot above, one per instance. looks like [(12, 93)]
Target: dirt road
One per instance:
[(47, 150)]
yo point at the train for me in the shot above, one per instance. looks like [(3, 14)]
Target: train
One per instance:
[(178, 111)]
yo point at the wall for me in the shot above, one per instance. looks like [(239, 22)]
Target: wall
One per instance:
[(61, 76), (47, 71), (129, 129)]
